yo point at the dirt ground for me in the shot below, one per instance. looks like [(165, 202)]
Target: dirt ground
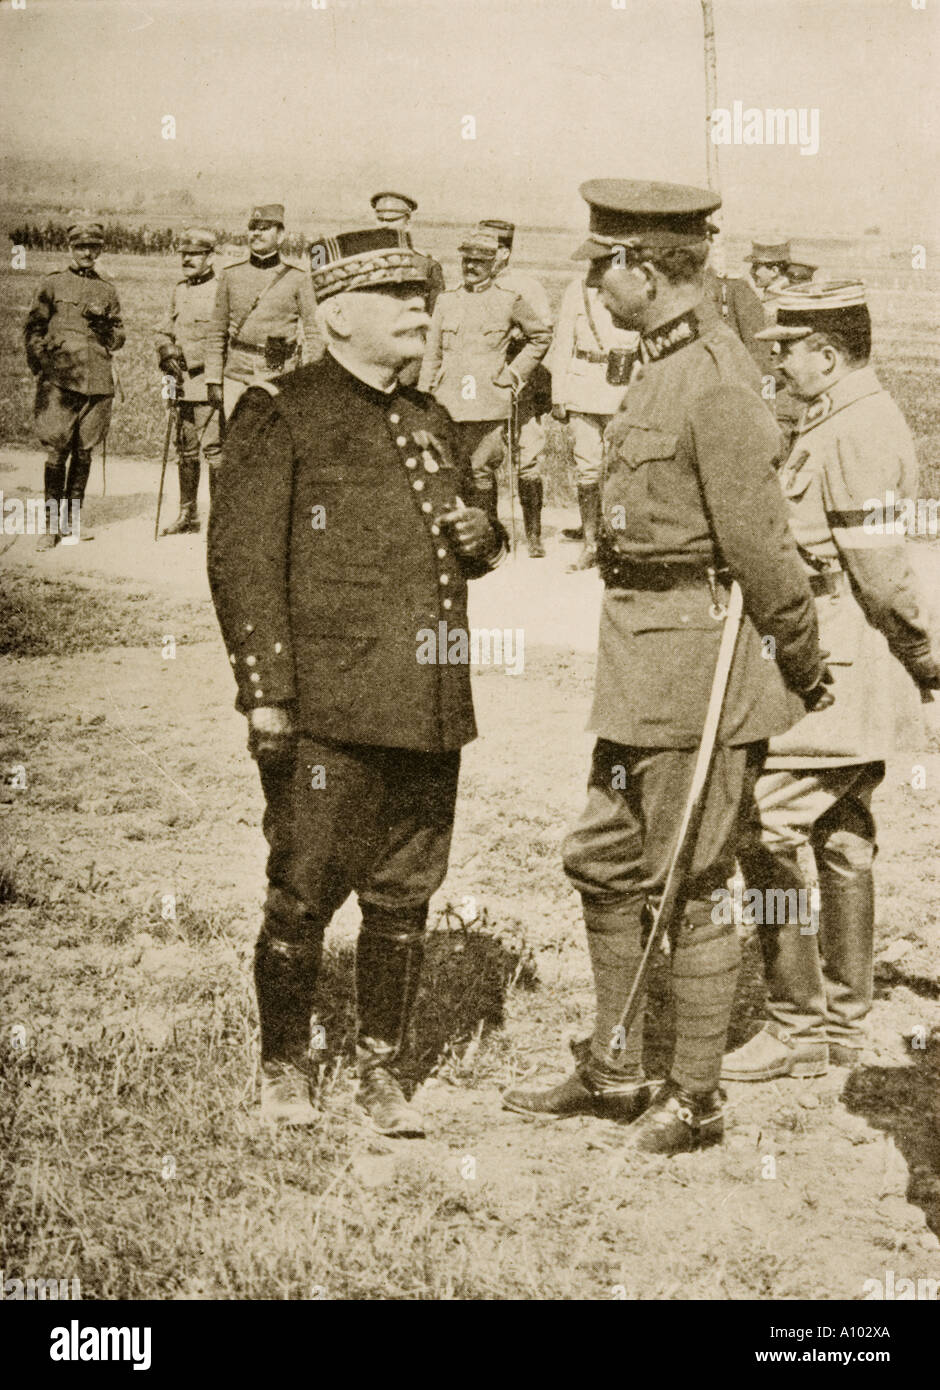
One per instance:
[(131, 1152)]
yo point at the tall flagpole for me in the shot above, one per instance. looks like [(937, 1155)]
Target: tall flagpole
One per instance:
[(711, 92)]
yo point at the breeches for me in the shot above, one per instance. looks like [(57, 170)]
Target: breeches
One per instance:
[(352, 818), (66, 418)]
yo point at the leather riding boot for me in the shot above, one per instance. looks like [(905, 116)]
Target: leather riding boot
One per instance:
[(54, 491), (389, 954), (796, 992), (188, 519), (530, 495), (589, 504), (79, 469), (286, 970), (608, 1080), (679, 1121), (847, 942)]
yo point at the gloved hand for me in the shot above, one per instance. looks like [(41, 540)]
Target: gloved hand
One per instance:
[(819, 697), (172, 361), (470, 531), (214, 394), (271, 736)]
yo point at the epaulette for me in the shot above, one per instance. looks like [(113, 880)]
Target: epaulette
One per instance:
[(230, 265), (293, 265)]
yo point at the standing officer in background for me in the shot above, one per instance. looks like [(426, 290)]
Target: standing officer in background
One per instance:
[(73, 327), (535, 401), (397, 210), (262, 305), (690, 503), (181, 351), (467, 363), (853, 450), (326, 581), (583, 397)]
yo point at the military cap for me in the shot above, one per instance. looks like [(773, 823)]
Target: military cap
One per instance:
[(644, 216), (769, 253), (395, 204), (480, 242), (505, 231), (365, 259), (85, 231), (267, 212), (197, 239), (805, 309)]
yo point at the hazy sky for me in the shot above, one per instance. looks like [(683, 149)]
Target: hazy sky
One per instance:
[(326, 104)]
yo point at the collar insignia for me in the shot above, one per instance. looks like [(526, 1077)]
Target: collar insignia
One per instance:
[(671, 336)]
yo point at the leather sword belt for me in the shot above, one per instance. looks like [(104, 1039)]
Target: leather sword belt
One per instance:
[(258, 349), (826, 582), (619, 572), (590, 356), (195, 371)]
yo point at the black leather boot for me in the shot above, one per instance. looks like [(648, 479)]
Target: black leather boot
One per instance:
[(285, 981), (389, 954), (847, 942), (679, 1122), (54, 492), (530, 496), (188, 519), (605, 1092), (589, 504), (79, 469), (489, 501)]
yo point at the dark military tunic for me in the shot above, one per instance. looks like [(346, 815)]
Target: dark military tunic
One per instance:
[(326, 561)]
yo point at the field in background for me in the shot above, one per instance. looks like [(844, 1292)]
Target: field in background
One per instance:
[(904, 306)]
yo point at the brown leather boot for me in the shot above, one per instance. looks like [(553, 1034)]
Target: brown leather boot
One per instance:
[(188, 520), (389, 954), (530, 496)]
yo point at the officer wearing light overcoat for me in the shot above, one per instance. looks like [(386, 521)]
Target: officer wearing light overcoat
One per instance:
[(181, 343), (73, 327), (690, 502), (327, 581), (264, 314), (853, 453)]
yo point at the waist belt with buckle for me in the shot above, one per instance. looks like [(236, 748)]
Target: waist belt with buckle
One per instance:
[(618, 572), (826, 582), (259, 349), (586, 356)]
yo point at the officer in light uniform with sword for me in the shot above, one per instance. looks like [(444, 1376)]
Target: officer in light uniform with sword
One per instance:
[(691, 513)]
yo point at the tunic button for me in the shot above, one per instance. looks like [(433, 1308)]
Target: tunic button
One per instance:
[(255, 677), (445, 578), (435, 530), (418, 484), (426, 506), (442, 554), (447, 603), (251, 660), (394, 417), (249, 627), (278, 648), (401, 441), (259, 694), (232, 658), (411, 463)]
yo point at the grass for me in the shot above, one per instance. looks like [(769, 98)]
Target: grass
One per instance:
[(46, 617)]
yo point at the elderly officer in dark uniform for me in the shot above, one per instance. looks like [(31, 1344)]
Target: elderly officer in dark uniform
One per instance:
[(690, 502), (397, 210), (73, 327), (181, 352), (325, 581), (263, 305), (853, 453)]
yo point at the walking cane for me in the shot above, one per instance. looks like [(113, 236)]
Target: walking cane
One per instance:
[(166, 454), (513, 456), (671, 903)]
